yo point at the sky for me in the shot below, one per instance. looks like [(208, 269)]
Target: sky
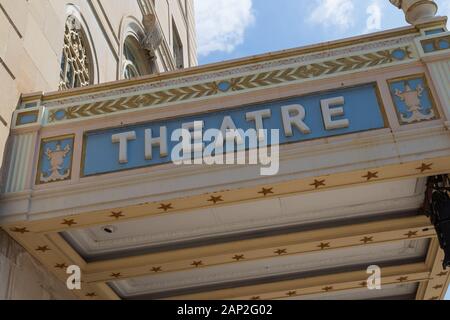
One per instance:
[(229, 29)]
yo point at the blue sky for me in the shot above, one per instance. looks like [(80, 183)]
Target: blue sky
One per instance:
[(229, 29)]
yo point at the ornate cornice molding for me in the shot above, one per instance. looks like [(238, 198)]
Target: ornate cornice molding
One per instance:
[(261, 76)]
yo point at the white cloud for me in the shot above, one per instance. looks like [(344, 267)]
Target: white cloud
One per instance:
[(334, 13), (374, 13), (221, 24)]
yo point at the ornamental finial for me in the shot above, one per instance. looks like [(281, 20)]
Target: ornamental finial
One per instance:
[(153, 34), (397, 3), (416, 11)]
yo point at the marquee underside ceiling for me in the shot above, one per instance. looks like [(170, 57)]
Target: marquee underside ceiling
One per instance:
[(259, 218), (305, 246)]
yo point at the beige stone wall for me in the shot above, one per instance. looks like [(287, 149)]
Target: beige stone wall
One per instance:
[(181, 14), (24, 278), (31, 39), (31, 42)]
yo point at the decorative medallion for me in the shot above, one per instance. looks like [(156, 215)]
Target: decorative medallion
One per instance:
[(266, 191), (224, 86), (281, 251), (55, 160), (291, 293), (366, 240), (411, 234), (117, 215), (371, 175), (215, 200), (165, 207), (20, 230), (413, 100), (197, 264), (69, 222), (318, 183), (425, 167), (61, 266), (43, 249), (239, 257), (324, 245)]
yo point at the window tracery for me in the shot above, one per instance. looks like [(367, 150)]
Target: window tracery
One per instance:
[(75, 64)]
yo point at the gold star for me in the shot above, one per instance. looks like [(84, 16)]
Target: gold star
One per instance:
[(440, 286), (197, 263), (61, 266), (43, 249), (216, 199), (318, 183), (91, 295), (157, 269), (425, 167), (371, 175), (442, 274), (411, 234), (402, 279), (291, 293), (239, 257), (322, 246), (281, 252), (166, 207), (117, 215), (366, 240), (265, 191), (327, 289), (69, 223), (20, 230), (116, 275)]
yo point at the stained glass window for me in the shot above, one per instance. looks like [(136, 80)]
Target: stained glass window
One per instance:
[(75, 65)]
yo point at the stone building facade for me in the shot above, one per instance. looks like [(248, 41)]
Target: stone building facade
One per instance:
[(359, 136), (49, 45)]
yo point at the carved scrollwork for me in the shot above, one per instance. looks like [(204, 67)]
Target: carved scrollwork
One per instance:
[(397, 3), (153, 35)]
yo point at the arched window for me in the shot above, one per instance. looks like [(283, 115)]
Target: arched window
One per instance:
[(136, 61), (76, 66)]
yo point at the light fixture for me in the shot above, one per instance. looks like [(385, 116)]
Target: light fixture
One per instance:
[(437, 207)]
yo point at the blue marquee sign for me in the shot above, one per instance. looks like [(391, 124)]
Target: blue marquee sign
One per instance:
[(325, 114)]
